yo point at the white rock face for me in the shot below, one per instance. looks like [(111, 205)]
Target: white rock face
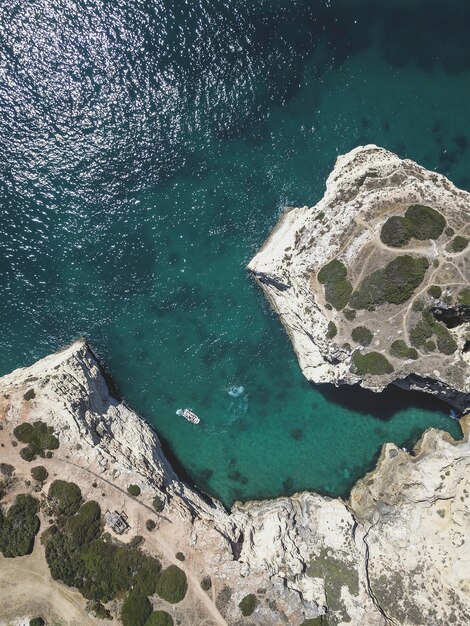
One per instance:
[(368, 186), (398, 553)]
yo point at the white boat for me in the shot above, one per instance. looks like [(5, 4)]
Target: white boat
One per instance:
[(189, 415)]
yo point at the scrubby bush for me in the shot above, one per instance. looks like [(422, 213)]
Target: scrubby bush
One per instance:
[(418, 305), (248, 604), (159, 618), (19, 527), (136, 541), (395, 283), (395, 232), (427, 327), (98, 610), (372, 363), (458, 244), (400, 350), (150, 524), (332, 330), (66, 497), (29, 395), (206, 583), (134, 490), (172, 584), (180, 556), (39, 473), (37, 621), (136, 610), (158, 504), (464, 296), (361, 335), (333, 277), (27, 454), (435, 291), (349, 314), (420, 222), (39, 437)]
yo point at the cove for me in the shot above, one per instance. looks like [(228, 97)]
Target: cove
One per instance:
[(146, 154)]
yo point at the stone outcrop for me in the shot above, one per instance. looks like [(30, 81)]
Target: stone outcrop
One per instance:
[(397, 553), (371, 284)]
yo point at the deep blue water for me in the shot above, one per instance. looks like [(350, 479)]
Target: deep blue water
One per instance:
[(147, 149)]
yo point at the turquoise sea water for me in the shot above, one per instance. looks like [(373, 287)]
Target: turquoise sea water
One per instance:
[(147, 149)]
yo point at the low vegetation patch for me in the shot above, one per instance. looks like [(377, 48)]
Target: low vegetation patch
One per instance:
[(134, 490), (332, 330), (19, 526), (428, 326), (37, 621), (39, 473), (434, 291), (136, 610), (159, 618), (333, 277), (361, 335), (458, 244), (464, 296), (172, 584), (400, 350), (248, 604), (66, 497), (39, 437), (395, 283), (419, 222), (206, 583), (372, 363)]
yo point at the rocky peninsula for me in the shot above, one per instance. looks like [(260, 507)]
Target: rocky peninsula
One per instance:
[(372, 283), (395, 553)]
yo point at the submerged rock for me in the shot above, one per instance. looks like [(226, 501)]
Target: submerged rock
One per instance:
[(371, 284)]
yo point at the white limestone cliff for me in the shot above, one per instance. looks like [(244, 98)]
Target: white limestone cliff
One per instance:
[(397, 553)]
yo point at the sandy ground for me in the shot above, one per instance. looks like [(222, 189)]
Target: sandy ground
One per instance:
[(26, 587)]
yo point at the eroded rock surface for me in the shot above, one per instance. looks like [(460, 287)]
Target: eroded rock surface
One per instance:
[(372, 283), (397, 553)]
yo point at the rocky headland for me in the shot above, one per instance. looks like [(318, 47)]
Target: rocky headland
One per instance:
[(395, 553), (372, 283)]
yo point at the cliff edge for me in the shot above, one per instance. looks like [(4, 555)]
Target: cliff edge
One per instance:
[(372, 283)]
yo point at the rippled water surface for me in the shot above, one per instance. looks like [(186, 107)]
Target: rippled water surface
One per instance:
[(147, 149)]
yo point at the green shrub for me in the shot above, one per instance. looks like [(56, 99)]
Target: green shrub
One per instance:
[(420, 222), (27, 454), (429, 346), (333, 277), (446, 344), (361, 335), (349, 314), (159, 618), (426, 328), (395, 232), (37, 621), (464, 296), (98, 610), (172, 584), (400, 350), (85, 526), (321, 620), (372, 363), (449, 231), (39, 437), (180, 556), (395, 283), (66, 497), (136, 610), (435, 291), (426, 223), (19, 527), (206, 583), (158, 504), (39, 473), (150, 524), (248, 604), (457, 244), (418, 305), (134, 490), (420, 333), (29, 395), (332, 330)]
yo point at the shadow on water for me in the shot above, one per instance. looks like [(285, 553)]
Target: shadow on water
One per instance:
[(384, 405)]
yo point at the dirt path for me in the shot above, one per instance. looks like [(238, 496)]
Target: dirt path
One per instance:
[(36, 583)]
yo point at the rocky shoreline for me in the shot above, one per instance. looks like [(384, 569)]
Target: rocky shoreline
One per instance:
[(395, 553), (371, 284)]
